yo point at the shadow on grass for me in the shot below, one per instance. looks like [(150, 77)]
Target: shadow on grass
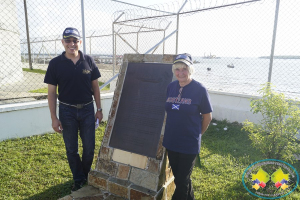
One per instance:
[(230, 142), (53, 193)]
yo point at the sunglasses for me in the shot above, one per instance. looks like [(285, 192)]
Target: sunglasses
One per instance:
[(69, 41)]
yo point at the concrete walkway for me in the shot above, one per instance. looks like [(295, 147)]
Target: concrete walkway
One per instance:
[(91, 193), (19, 91)]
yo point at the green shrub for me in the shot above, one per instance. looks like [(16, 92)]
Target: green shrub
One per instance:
[(275, 135)]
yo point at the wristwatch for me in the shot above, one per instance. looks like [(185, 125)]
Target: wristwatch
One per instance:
[(99, 109)]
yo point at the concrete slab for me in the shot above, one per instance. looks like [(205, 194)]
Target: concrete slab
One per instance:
[(87, 191), (91, 193)]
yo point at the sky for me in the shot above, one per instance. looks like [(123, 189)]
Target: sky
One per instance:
[(240, 31), (243, 31), (146, 2)]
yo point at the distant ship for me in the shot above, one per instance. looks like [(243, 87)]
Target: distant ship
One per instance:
[(230, 65), (211, 56)]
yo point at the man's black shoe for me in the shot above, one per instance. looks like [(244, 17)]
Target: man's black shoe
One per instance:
[(77, 185)]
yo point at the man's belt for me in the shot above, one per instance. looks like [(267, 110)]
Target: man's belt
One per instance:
[(79, 106)]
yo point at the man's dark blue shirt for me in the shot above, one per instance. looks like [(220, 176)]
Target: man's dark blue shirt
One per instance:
[(74, 81)]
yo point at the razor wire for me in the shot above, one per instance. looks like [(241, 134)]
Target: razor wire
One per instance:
[(230, 41), (182, 7)]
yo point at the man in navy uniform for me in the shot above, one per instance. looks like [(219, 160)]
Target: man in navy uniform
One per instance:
[(76, 76)]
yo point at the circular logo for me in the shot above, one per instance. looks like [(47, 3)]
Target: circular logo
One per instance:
[(270, 179)]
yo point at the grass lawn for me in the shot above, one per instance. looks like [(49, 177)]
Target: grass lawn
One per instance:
[(36, 167), (38, 71)]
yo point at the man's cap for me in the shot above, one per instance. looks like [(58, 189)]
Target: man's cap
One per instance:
[(71, 32), (184, 58)]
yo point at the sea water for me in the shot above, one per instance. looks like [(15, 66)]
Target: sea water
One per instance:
[(248, 74)]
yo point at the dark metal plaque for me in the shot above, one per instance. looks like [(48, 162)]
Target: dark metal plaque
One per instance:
[(141, 110)]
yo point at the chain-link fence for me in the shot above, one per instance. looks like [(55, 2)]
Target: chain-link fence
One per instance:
[(230, 41)]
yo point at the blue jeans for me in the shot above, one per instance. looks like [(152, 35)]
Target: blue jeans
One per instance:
[(182, 166), (72, 120)]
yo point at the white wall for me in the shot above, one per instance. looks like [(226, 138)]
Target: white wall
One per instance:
[(233, 107), (10, 53), (33, 118)]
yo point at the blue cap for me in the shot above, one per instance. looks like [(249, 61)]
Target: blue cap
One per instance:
[(184, 58), (71, 32)]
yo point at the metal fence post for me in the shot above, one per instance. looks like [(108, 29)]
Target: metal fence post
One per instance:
[(44, 53), (28, 39), (114, 41), (137, 38), (114, 47), (165, 36), (273, 40), (91, 43), (178, 25), (32, 55), (83, 26)]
